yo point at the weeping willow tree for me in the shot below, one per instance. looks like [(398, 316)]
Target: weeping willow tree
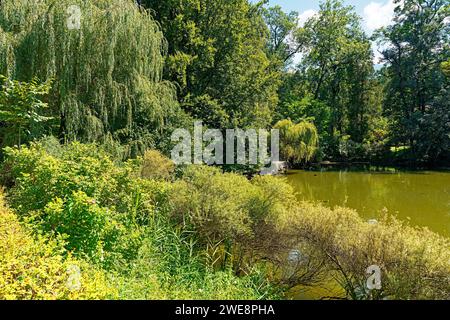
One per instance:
[(106, 70), (299, 142)]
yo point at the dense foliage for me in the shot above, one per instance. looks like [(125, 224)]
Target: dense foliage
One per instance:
[(161, 64), (86, 115), (208, 234), (217, 57), (299, 142), (104, 213), (107, 75), (21, 111), (417, 89), (361, 113), (37, 268)]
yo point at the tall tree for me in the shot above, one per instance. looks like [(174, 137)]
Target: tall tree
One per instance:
[(106, 58), (332, 83), (416, 94), (217, 56), (337, 65), (283, 28)]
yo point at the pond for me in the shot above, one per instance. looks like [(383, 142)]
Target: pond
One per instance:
[(421, 198)]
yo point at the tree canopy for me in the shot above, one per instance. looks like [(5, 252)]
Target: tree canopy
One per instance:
[(417, 89), (217, 57), (107, 74), (126, 73)]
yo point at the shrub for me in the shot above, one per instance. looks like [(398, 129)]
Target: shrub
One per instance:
[(39, 177), (156, 166), (37, 269), (75, 192), (229, 213), (226, 206), (415, 262), (275, 197), (214, 204), (86, 225)]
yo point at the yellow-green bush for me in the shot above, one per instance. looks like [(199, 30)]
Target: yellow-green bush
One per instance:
[(227, 206), (35, 268), (39, 177), (230, 214), (415, 262), (156, 166), (75, 191), (215, 204)]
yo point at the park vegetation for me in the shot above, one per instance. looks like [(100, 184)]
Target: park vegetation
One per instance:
[(86, 116), (203, 234)]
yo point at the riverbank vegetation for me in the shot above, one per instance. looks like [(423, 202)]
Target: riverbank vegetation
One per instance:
[(86, 116), (205, 234)]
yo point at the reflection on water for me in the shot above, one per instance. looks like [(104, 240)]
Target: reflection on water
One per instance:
[(422, 198)]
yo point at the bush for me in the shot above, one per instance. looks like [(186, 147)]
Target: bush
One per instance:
[(227, 206), (23, 114), (106, 213), (37, 269), (214, 204), (76, 192), (156, 166), (38, 177), (229, 213), (415, 262), (86, 225)]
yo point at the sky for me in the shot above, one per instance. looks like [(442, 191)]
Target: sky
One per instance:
[(375, 13)]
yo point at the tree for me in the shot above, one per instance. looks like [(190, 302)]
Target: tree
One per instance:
[(337, 65), (107, 71), (334, 76), (283, 28), (217, 57), (298, 142), (22, 113), (417, 51)]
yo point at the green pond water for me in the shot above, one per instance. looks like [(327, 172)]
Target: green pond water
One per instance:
[(421, 198)]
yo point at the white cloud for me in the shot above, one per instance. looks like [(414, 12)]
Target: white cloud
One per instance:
[(377, 15), (305, 16)]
